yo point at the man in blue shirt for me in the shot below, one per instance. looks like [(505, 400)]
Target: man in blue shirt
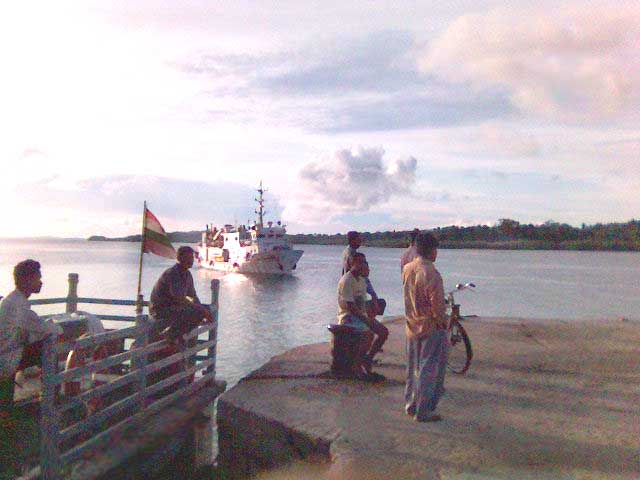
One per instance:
[(355, 241)]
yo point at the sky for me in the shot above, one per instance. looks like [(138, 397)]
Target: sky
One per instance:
[(374, 116)]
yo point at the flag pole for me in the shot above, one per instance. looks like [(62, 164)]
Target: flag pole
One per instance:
[(144, 227)]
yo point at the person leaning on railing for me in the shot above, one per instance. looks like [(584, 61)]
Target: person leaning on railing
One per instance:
[(21, 329), (174, 304)]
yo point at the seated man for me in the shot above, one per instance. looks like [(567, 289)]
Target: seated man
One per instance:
[(352, 312), (21, 330), (375, 306), (174, 303)]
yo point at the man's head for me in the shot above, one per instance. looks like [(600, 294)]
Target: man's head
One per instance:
[(357, 264), (27, 277), (413, 235), (427, 246), (185, 257), (354, 239)]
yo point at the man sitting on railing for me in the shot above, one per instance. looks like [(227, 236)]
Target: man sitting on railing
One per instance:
[(174, 304), (21, 330)]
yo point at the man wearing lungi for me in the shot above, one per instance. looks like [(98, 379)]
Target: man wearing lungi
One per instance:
[(427, 331)]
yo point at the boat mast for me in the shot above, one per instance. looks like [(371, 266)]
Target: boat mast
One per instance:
[(261, 211)]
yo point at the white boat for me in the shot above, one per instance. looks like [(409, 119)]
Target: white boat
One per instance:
[(262, 249)]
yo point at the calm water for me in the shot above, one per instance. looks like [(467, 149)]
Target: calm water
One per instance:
[(263, 317)]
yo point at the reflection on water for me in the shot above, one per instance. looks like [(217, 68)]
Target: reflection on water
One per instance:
[(264, 316)]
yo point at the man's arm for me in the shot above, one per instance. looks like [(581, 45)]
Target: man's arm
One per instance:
[(191, 290), (30, 322), (435, 293), (374, 295), (177, 291)]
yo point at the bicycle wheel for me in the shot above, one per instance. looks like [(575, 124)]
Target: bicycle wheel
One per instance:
[(460, 354)]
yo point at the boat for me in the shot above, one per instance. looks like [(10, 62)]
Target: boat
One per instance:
[(255, 249)]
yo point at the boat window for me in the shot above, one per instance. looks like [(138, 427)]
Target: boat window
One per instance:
[(261, 235), (279, 235)]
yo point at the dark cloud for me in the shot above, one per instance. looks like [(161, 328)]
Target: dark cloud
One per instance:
[(372, 64), (361, 84), (417, 110), (182, 200)]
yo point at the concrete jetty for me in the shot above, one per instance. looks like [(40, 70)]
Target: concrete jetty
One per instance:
[(543, 399)]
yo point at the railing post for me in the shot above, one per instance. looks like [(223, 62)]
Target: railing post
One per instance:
[(139, 304), (213, 333), (72, 296), (139, 363), (49, 415)]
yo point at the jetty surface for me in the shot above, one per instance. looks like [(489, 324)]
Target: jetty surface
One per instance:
[(543, 399)]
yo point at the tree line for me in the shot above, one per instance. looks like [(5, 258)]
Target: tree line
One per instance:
[(507, 234)]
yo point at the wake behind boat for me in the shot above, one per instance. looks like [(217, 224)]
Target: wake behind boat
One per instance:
[(257, 249)]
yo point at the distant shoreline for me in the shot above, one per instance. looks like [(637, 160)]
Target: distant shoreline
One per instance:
[(444, 244)]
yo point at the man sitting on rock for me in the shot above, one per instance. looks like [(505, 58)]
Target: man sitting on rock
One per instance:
[(174, 302), (352, 312)]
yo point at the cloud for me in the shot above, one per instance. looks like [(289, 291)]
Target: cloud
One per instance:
[(572, 63), (415, 110), (349, 182), (353, 83), (179, 203)]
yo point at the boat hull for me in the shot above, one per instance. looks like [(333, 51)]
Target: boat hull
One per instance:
[(281, 262)]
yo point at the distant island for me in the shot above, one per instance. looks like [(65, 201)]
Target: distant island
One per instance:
[(506, 235)]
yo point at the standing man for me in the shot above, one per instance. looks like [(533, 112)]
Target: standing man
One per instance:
[(174, 302), (427, 329), (411, 252), (21, 330), (355, 241)]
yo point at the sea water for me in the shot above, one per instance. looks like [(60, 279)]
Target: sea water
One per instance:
[(262, 317)]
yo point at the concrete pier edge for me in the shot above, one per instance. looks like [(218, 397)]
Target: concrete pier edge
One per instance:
[(543, 399)]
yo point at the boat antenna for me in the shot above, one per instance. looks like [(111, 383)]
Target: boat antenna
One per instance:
[(261, 211)]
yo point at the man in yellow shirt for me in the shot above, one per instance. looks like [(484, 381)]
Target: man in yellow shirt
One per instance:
[(427, 331)]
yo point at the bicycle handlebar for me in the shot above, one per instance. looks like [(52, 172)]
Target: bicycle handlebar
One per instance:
[(461, 286)]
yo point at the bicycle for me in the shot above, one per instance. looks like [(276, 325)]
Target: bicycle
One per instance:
[(461, 353)]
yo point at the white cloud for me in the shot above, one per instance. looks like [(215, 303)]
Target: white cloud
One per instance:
[(350, 181), (570, 63)]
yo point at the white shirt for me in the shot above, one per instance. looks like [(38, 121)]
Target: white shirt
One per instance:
[(408, 255), (19, 325), (350, 289)]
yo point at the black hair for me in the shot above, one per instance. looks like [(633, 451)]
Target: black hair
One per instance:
[(426, 243), (351, 234), (184, 249), (23, 270), (414, 234), (353, 256)]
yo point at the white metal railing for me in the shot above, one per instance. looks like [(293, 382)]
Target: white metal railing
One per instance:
[(140, 390)]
